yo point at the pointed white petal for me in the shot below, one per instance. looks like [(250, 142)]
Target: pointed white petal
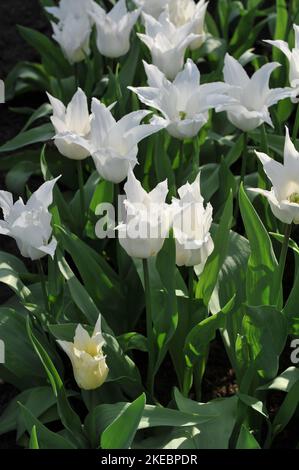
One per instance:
[(233, 72), (43, 196), (6, 202)]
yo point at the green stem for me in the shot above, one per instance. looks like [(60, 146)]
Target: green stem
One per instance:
[(149, 328), (188, 372), (281, 265), (243, 172), (82, 194), (43, 284), (296, 124)]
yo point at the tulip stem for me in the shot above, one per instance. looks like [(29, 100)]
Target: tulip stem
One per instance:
[(149, 327), (43, 284), (282, 261), (243, 172), (81, 189)]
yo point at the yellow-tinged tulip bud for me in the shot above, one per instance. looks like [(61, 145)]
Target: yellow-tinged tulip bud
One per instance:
[(86, 354)]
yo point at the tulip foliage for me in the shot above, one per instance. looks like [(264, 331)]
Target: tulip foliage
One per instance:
[(149, 217)]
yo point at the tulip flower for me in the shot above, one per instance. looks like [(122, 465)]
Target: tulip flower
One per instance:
[(114, 145), (30, 224), (114, 29), (293, 58), (191, 227), (72, 126), (76, 8), (147, 221), (250, 97), (183, 103), (87, 358), (72, 35), (182, 12), (167, 43), (284, 194), (152, 7)]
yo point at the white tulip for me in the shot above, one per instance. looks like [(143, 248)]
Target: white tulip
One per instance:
[(72, 35), (167, 43), (182, 12), (87, 358), (293, 58), (147, 221), (76, 8), (191, 227), (250, 97), (30, 224), (114, 29), (114, 145), (183, 103), (152, 7), (284, 194), (72, 126)]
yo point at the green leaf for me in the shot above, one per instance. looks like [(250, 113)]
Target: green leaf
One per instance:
[(208, 279), (21, 363), (33, 442), (47, 438), (246, 439), (121, 432), (202, 334), (100, 281), (32, 136), (51, 54), (262, 262), (265, 328)]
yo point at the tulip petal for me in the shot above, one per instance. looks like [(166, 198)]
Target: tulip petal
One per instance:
[(6, 202), (296, 30), (282, 45), (50, 248), (43, 197), (77, 115), (234, 73), (58, 107)]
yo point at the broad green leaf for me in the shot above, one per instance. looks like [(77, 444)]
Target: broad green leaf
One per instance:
[(265, 328), (121, 432), (47, 438), (208, 279), (246, 440), (262, 262), (32, 136)]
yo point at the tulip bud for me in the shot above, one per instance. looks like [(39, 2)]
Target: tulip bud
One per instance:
[(147, 221), (114, 145), (284, 194), (167, 43), (250, 97), (293, 57), (191, 227), (114, 29), (72, 35), (182, 12), (72, 126), (30, 224), (87, 358)]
